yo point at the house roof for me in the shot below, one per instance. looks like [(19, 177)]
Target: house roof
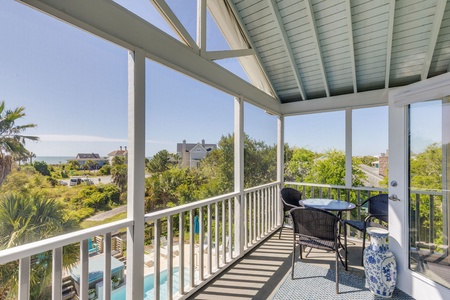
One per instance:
[(190, 146), (118, 153), (87, 155)]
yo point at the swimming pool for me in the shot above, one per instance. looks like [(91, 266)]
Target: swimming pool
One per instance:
[(120, 293)]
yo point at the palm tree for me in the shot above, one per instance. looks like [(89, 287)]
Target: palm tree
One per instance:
[(12, 142), (119, 176), (26, 219)]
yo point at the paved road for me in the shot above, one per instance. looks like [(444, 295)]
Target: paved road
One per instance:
[(95, 179), (108, 214)]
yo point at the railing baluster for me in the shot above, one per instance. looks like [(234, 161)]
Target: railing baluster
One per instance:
[(157, 252), (418, 231), (230, 229), (24, 278), (209, 242), (216, 236), (431, 221), (181, 251), (191, 249), (255, 222), (57, 274), (200, 246), (224, 234), (84, 273), (107, 270), (245, 212), (169, 257)]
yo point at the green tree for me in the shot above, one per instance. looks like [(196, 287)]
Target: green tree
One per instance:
[(26, 219), (160, 162), (298, 167), (12, 141), (119, 175), (89, 164), (118, 160), (42, 167), (330, 169)]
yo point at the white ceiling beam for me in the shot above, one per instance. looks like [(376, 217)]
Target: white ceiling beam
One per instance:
[(440, 9), (170, 17), (312, 23), (201, 26), (213, 55), (252, 45), (116, 24), (389, 42), (287, 47), (348, 9), (335, 103)]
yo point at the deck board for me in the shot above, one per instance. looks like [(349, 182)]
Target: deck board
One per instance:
[(260, 272)]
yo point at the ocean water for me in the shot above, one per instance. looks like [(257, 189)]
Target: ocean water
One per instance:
[(53, 160)]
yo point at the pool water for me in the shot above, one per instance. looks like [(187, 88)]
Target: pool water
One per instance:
[(120, 293)]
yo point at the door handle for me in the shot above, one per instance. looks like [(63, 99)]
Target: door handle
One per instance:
[(394, 197)]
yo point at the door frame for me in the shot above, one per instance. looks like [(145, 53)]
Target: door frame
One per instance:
[(413, 283)]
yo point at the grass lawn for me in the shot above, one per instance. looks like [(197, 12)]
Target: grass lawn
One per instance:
[(88, 224)]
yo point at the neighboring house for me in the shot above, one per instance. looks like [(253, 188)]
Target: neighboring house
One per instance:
[(82, 158), (190, 154), (120, 153)]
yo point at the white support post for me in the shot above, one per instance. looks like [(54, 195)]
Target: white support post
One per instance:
[(136, 173), (348, 147), (201, 26), (280, 167), (239, 173)]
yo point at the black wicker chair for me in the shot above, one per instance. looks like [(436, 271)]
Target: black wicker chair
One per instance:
[(290, 199), (378, 209), (316, 228)]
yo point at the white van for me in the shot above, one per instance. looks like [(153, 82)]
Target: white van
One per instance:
[(74, 181)]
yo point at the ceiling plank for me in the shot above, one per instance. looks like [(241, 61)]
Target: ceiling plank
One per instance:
[(106, 19), (287, 47), (312, 23), (351, 45), (389, 43), (170, 17), (213, 55), (440, 9)]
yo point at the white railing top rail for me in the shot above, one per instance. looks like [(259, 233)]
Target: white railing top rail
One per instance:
[(363, 188), (186, 207), (59, 241), (260, 187), (201, 203)]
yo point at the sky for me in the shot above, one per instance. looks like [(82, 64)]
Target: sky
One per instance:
[(73, 85)]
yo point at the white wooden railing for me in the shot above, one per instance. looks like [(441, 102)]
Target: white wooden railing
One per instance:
[(196, 261)]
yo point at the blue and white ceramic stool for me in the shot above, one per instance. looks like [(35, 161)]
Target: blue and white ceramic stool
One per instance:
[(379, 264)]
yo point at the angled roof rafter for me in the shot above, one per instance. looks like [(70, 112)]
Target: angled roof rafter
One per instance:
[(213, 55), (389, 43), (201, 26), (348, 9), (250, 42), (175, 23), (287, 47), (437, 20), (312, 23)]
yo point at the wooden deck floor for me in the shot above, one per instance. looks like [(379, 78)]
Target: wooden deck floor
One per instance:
[(259, 273)]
